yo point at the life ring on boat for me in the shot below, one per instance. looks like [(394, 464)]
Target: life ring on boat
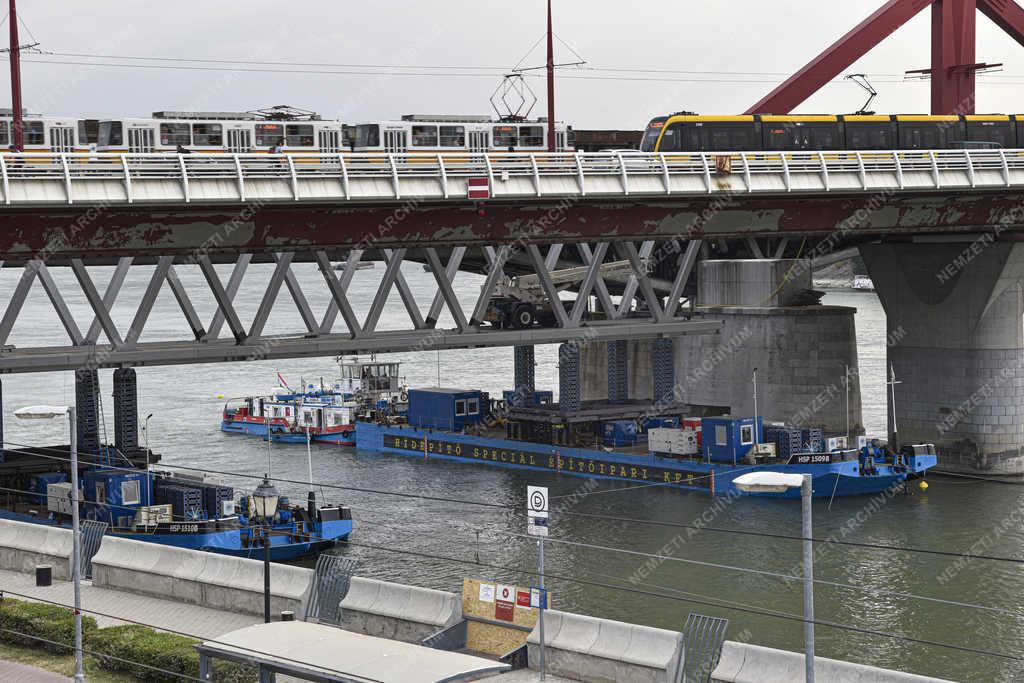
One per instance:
[(403, 396)]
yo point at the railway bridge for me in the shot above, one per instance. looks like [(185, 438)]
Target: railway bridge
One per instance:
[(938, 230)]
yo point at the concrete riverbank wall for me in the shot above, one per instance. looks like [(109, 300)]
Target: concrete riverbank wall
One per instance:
[(578, 647)]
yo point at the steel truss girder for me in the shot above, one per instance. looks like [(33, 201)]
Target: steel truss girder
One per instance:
[(125, 348)]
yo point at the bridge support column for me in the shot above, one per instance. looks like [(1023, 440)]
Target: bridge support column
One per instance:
[(618, 371), (955, 318), (805, 355), (126, 410), (87, 403), (569, 390), (525, 369)]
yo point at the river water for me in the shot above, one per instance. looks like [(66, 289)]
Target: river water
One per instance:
[(404, 538)]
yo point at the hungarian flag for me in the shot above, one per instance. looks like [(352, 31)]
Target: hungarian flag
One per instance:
[(283, 383)]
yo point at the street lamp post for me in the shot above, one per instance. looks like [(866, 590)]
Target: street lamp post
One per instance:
[(47, 413), (265, 499), (779, 482)]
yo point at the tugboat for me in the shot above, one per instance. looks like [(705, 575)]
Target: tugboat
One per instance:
[(316, 412), (626, 442)]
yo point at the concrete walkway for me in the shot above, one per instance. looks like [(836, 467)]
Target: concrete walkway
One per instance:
[(120, 607), (9, 671)]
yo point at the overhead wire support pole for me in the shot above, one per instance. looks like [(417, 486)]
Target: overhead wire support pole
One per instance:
[(552, 146), (18, 125)]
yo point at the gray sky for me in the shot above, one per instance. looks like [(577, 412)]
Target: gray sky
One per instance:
[(688, 35)]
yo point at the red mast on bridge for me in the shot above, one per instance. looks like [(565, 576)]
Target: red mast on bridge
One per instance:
[(18, 128), (552, 147), (954, 63)]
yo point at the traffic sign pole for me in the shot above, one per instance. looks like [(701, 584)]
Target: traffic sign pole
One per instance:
[(537, 525), (540, 542)]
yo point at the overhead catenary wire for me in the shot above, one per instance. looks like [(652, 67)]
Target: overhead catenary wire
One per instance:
[(602, 516)]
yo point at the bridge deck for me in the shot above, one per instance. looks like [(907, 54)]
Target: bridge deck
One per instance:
[(202, 179)]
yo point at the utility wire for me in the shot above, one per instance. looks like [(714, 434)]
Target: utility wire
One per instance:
[(701, 600), (585, 515)]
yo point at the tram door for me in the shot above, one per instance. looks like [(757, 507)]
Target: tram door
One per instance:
[(239, 141), (62, 139), (560, 140), (140, 140), (329, 141), (478, 142), (395, 142)]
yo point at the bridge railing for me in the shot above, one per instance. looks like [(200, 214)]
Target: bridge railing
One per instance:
[(518, 173)]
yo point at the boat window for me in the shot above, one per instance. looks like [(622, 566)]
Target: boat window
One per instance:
[(368, 135), (460, 408), (4, 139), (531, 136), (453, 136), (746, 434), (174, 134), (473, 406), (101, 492), (721, 436), (268, 134), (111, 133), (130, 493), (34, 133), (208, 134), (424, 136), (299, 135), (506, 136)]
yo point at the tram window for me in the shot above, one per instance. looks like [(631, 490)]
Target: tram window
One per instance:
[(869, 136), (83, 133), (922, 136), (368, 135), (453, 136), (5, 140), (34, 133), (111, 133), (424, 136), (825, 136), (778, 138), (531, 136), (671, 140), (570, 138), (268, 134), (173, 134), (506, 136), (299, 135), (998, 132), (208, 134)]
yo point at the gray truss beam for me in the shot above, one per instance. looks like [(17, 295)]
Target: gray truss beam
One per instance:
[(452, 269), (284, 263), (185, 303), (299, 297), (496, 263), (59, 305), (351, 266), (21, 290), (110, 296), (682, 276), (339, 301), (156, 281), (404, 291), (234, 284), (629, 293), (600, 288), (220, 295), (226, 350), (394, 263), (444, 286), (643, 281), (591, 278), (99, 307), (550, 291)]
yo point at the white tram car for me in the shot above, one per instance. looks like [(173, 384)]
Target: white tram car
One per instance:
[(45, 133), (238, 133), (447, 134)]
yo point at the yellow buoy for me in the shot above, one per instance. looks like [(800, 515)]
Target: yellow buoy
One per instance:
[(220, 395), (923, 485)]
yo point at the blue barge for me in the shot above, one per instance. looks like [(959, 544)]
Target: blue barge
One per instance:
[(160, 507), (833, 473)]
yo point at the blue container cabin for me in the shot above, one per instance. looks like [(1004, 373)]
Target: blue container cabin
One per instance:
[(448, 409), (729, 439)]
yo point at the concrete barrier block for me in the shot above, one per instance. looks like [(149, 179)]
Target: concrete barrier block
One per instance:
[(586, 648), (744, 663), (390, 610), (26, 544)]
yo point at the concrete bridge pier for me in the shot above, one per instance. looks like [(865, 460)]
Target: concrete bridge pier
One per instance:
[(955, 319)]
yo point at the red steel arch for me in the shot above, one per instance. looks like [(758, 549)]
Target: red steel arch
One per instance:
[(954, 60)]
